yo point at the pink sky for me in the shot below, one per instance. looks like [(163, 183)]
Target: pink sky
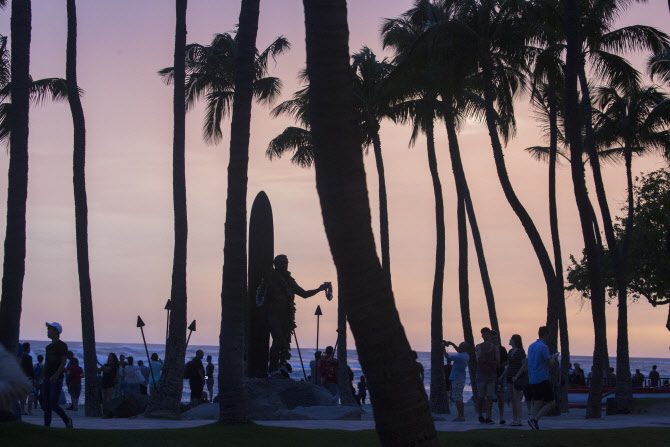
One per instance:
[(128, 113)]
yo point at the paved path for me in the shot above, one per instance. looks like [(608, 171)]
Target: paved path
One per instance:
[(574, 420)]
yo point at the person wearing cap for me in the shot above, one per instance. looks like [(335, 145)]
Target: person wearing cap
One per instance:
[(52, 373)]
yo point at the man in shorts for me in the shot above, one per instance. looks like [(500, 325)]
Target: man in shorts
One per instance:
[(539, 361), (457, 376), (488, 360)]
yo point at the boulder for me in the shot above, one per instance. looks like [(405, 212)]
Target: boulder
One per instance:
[(320, 413), (126, 406), (268, 398)]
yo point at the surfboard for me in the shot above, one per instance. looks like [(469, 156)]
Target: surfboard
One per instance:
[(261, 254)]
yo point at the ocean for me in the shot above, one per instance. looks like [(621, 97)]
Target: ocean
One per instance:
[(136, 350)]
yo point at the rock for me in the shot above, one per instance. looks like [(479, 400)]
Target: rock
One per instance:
[(205, 412), (268, 398), (126, 406), (319, 413)]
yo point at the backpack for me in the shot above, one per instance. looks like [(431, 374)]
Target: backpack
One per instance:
[(486, 358), (188, 370)]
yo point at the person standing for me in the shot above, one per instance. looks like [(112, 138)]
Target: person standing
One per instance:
[(52, 374), (209, 375), (488, 359), (196, 379), (539, 362), (362, 391), (315, 376), (517, 377), (28, 370), (328, 370), (500, 376), (110, 377), (155, 366), (654, 377), (37, 372), (459, 362), (132, 377), (74, 374), (144, 370)]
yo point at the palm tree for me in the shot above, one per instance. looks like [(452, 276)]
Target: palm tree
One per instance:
[(210, 75), (234, 286), (81, 217), (630, 121), (17, 189), (401, 410), (421, 108), (166, 401), (372, 99), (599, 46), (659, 65)]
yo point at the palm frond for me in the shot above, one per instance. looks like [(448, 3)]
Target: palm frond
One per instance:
[(539, 153), (634, 38), (614, 70), (54, 89), (659, 65), (5, 121), (266, 90), (295, 140), (275, 49), (219, 104)]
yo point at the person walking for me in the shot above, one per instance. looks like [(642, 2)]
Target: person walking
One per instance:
[(52, 374), (517, 377), (459, 362), (209, 377), (539, 362)]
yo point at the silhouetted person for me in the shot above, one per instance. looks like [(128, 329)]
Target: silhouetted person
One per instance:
[(315, 376), (457, 377), (488, 359), (196, 379), (654, 377), (29, 371), (362, 391), (54, 367), (209, 373), (74, 374), (328, 369), (539, 362), (419, 367), (638, 379)]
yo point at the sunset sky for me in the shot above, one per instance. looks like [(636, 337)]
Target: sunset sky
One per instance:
[(128, 110)]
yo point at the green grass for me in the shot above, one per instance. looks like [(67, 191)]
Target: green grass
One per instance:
[(651, 404), (17, 435)]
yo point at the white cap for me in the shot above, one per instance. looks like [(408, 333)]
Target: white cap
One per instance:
[(58, 327)]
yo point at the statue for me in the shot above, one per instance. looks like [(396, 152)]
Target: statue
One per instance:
[(277, 294)]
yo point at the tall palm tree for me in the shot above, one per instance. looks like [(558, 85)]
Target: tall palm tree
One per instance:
[(234, 285), (401, 410), (421, 108), (573, 132), (599, 46), (92, 392), (17, 189), (166, 401), (630, 123), (372, 99)]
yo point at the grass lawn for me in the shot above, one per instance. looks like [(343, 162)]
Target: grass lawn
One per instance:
[(17, 435)]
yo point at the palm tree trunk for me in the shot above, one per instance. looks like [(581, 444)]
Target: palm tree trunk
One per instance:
[(91, 392), (464, 192), (14, 266), (166, 401), (624, 386), (439, 400), (234, 285), (346, 398), (512, 199), (463, 284), (383, 207), (481, 261), (401, 410), (573, 132), (618, 259), (559, 301)]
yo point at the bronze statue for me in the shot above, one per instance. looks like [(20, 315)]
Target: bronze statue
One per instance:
[(277, 293)]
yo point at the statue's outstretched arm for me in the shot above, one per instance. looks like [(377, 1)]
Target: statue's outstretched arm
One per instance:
[(307, 293)]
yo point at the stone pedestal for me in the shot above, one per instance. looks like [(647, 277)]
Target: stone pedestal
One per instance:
[(619, 406)]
